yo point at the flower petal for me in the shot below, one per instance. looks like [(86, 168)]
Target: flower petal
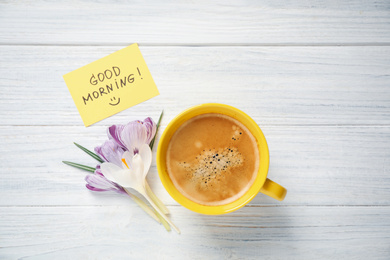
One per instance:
[(138, 173), (134, 135), (110, 151), (146, 155), (114, 133), (150, 129), (128, 156), (117, 174), (94, 188), (98, 182)]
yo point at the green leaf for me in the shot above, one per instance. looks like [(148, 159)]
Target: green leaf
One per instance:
[(92, 154), (80, 166), (157, 126)]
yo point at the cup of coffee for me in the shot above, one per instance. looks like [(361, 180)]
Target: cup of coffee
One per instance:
[(213, 159)]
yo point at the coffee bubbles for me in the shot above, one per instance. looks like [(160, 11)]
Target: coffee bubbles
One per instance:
[(211, 166)]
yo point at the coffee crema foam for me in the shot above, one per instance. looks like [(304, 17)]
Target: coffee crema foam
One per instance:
[(212, 159)]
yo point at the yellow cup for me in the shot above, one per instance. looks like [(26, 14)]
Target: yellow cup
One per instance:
[(261, 183)]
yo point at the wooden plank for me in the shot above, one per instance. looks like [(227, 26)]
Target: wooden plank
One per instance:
[(274, 85), (217, 22), (120, 232), (319, 165)]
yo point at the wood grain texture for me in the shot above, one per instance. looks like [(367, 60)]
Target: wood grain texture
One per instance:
[(201, 23), (314, 75), (274, 85), (124, 232), (319, 165)]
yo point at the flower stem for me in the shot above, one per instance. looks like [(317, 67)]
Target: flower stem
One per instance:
[(164, 222), (144, 206), (158, 210), (155, 199), (155, 215)]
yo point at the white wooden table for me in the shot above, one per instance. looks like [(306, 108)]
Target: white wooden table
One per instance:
[(314, 75)]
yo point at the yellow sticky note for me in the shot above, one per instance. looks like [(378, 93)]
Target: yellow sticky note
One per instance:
[(111, 84)]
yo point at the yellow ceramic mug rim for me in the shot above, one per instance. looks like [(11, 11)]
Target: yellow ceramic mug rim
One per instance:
[(219, 109)]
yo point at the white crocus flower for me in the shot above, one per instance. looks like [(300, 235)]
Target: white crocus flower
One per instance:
[(132, 175)]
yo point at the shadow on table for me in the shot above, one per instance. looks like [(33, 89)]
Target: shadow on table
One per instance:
[(250, 231)]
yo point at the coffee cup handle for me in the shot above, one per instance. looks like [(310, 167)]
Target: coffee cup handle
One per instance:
[(274, 190)]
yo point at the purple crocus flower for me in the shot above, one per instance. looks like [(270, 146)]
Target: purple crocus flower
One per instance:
[(114, 133), (110, 151), (132, 136), (129, 137), (97, 182), (127, 158)]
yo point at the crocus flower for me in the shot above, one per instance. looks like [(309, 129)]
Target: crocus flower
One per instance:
[(126, 158), (132, 175), (97, 182), (110, 151), (133, 135)]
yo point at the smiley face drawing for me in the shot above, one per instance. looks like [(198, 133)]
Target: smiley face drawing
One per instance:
[(114, 100)]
